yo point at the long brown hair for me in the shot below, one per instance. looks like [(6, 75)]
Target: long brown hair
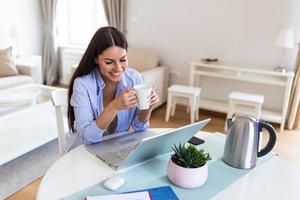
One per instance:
[(104, 38)]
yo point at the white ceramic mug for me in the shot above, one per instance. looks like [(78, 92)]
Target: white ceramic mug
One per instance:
[(143, 91)]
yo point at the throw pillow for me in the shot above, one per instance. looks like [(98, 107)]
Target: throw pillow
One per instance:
[(7, 63)]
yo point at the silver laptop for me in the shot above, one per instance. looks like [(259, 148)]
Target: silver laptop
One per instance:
[(134, 148)]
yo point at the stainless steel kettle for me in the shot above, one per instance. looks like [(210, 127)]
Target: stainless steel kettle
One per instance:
[(242, 141)]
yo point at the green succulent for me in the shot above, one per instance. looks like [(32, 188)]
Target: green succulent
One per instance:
[(189, 156)]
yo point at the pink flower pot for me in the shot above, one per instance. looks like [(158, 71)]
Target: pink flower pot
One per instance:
[(187, 177)]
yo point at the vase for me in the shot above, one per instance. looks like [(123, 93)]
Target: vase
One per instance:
[(187, 177)]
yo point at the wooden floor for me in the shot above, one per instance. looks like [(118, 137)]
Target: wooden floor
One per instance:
[(287, 145)]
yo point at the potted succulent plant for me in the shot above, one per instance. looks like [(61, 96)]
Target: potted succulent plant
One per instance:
[(187, 167)]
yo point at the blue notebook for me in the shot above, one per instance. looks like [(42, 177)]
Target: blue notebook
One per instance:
[(161, 193)]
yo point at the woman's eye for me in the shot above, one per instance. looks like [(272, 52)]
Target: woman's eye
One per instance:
[(108, 62), (123, 60)]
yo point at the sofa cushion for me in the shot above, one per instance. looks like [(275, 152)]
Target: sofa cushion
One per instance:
[(142, 59), (11, 81), (7, 63)]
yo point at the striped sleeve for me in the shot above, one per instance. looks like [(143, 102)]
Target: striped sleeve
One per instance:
[(85, 123)]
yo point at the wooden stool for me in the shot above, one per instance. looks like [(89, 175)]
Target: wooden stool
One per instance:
[(244, 103), (191, 93)]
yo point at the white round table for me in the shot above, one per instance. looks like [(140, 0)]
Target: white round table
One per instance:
[(79, 169)]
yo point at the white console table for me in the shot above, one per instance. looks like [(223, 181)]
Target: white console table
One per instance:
[(243, 74)]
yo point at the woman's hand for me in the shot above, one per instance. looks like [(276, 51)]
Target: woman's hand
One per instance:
[(153, 98), (127, 99)]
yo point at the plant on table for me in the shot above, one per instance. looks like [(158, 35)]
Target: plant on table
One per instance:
[(187, 167), (189, 156)]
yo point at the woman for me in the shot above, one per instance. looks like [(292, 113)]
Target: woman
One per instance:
[(101, 95)]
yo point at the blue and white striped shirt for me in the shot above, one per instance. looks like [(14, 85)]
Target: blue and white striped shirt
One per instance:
[(87, 102)]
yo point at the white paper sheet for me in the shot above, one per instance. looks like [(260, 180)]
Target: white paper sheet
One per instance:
[(125, 196)]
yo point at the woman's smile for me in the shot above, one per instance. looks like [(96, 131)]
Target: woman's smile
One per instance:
[(116, 74)]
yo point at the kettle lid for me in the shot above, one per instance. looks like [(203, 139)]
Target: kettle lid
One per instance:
[(245, 117)]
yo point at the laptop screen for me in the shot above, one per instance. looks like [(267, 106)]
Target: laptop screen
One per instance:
[(156, 145)]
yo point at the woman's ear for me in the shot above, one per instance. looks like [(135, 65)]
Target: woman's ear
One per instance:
[(96, 61)]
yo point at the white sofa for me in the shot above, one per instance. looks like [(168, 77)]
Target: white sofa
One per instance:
[(146, 61), (30, 70)]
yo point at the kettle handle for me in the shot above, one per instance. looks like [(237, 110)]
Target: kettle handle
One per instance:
[(272, 138)]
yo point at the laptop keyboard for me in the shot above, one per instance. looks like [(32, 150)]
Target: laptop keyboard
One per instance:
[(123, 153)]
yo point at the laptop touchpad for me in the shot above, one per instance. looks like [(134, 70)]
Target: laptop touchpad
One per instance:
[(127, 140)]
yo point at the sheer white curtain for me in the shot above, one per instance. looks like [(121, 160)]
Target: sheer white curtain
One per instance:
[(78, 20), (50, 50), (115, 11), (294, 108)]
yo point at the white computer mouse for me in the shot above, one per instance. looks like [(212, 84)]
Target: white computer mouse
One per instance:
[(113, 183)]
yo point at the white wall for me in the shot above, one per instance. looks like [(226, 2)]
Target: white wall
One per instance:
[(242, 31), (239, 31), (21, 19)]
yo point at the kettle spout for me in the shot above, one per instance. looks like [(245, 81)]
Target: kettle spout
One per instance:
[(229, 123)]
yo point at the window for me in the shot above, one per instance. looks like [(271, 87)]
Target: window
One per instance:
[(78, 20)]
